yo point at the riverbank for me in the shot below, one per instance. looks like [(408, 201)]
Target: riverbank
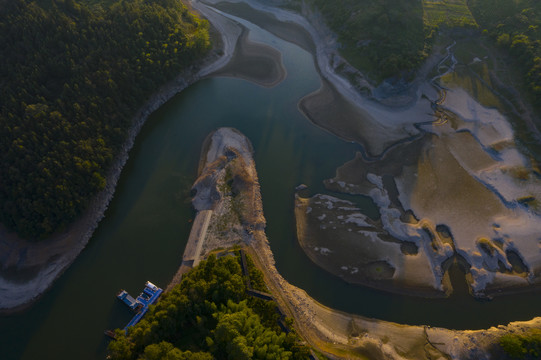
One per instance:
[(453, 139), (254, 62), (223, 198), (226, 159), (28, 269)]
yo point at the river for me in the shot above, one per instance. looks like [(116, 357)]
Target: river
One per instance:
[(147, 224)]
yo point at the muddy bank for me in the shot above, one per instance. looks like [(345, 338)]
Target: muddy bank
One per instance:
[(328, 109), (336, 334), (285, 30), (254, 62), (339, 238), (338, 106)]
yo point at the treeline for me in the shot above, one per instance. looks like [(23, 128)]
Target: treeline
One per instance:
[(72, 75), (391, 38), (515, 26), (525, 346), (209, 316), (386, 38)]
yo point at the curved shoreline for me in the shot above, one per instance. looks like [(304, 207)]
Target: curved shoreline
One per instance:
[(56, 254), (255, 62), (336, 334), (119, 175), (69, 244), (390, 126)]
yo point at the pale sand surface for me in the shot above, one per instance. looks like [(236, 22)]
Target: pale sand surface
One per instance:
[(458, 181), (469, 177), (473, 167), (339, 238), (336, 334)]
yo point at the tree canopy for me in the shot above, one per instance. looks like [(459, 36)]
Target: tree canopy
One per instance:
[(73, 74), (384, 38), (522, 346), (515, 26), (210, 316)]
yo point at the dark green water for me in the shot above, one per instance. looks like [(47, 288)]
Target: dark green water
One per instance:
[(146, 227)]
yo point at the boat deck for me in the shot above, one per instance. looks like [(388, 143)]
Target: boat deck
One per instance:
[(147, 297)]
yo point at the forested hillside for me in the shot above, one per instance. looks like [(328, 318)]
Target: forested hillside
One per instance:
[(210, 316), (391, 38), (384, 38), (387, 38), (515, 26), (72, 75)]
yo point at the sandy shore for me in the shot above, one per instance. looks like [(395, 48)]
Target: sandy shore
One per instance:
[(254, 62), (469, 161), (336, 334)]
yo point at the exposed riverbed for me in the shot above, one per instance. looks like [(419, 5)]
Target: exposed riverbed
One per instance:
[(145, 229)]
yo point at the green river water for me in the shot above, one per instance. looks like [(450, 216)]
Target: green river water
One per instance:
[(147, 224)]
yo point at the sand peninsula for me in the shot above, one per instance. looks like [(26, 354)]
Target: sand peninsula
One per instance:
[(227, 189), (442, 165)]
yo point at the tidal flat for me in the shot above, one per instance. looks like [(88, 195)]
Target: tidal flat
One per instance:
[(463, 172)]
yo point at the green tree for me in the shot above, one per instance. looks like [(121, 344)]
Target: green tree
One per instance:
[(166, 351), (73, 75), (522, 346), (202, 317)]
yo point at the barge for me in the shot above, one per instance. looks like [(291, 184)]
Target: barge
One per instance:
[(139, 305)]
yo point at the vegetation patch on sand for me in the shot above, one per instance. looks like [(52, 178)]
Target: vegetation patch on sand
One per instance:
[(477, 86), (449, 13)]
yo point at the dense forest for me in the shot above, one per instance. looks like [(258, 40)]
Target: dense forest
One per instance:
[(381, 37), (210, 316), (391, 38), (515, 26), (73, 74)]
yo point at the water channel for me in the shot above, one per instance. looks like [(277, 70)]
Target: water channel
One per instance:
[(147, 224)]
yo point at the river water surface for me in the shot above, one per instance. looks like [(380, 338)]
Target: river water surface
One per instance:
[(146, 227)]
